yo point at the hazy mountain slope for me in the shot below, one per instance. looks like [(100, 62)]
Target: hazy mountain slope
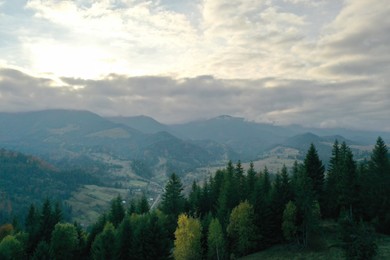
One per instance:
[(143, 124), (247, 139), (323, 144), (26, 179), (59, 134)]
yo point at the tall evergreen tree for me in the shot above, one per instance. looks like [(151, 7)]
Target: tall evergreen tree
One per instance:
[(349, 192), (47, 221), (250, 182), (332, 184), (308, 213), (117, 211), (315, 171), (142, 205), (379, 170), (103, 247), (172, 200), (124, 240)]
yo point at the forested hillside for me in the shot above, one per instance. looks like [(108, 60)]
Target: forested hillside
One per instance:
[(233, 213), (27, 179)]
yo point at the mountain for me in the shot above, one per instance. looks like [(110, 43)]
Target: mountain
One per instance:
[(143, 124), (248, 139), (27, 179), (59, 134), (323, 144)]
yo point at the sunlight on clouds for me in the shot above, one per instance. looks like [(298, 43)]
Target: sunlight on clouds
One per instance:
[(86, 62)]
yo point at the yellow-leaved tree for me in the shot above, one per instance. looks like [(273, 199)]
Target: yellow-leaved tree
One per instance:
[(187, 238)]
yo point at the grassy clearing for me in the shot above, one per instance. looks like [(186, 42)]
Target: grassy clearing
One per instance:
[(89, 202)]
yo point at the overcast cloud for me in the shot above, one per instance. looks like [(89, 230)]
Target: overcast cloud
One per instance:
[(316, 63)]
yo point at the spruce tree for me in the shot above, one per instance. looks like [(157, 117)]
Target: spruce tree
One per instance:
[(172, 200), (315, 171), (117, 211)]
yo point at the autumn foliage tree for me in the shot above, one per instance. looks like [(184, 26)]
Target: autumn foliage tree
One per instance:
[(187, 239)]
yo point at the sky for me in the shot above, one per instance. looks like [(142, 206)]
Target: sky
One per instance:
[(318, 63)]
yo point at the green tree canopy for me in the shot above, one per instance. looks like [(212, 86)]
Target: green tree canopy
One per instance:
[(241, 229), (64, 241)]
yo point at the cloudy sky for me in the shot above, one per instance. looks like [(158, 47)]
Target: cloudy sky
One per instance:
[(322, 63)]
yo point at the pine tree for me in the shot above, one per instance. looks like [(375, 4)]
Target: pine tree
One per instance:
[(124, 240), (379, 169), (250, 182), (280, 196), (172, 200), (349, 192), (332, 183), (194, 199), (315, 171), (308, 213), (103, 246), (117, 211), (143, 205), (47, 221)]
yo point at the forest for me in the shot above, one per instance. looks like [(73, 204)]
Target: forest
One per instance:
[(233, 213)]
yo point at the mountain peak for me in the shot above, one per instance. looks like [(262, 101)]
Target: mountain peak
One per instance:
[(227, 117)]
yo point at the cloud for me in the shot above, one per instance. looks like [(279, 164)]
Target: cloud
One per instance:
[(319, 63), (357, 42), (172, 100)]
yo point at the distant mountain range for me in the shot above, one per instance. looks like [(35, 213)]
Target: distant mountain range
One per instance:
[(58, 134), (81, 157)]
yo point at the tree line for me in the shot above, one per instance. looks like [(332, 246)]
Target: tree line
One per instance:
[(232, 213)]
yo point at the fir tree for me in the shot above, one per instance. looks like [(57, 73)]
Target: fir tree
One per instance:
[(315, 171)]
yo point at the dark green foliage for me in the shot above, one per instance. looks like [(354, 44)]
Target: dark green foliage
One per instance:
[(96, 229), (342, 183), (104, 245), (308, 213), (241, 229), (124, 239), (250, 183), (142, 205), (42, 252), (281, 194), (315, 171), (117, 211), (64, 241), (26, 179), (172, 200), (229, 196), (150, 240), (216, 241), (11, 248), (284, 208), (194, 199), (358, 239), (379, 167)]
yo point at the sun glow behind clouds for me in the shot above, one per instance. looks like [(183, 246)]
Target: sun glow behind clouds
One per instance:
[(83, 61)]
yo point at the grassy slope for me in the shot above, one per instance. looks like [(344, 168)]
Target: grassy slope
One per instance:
[(329, 249)]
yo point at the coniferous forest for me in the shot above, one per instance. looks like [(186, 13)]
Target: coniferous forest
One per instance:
[(233, 213)]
